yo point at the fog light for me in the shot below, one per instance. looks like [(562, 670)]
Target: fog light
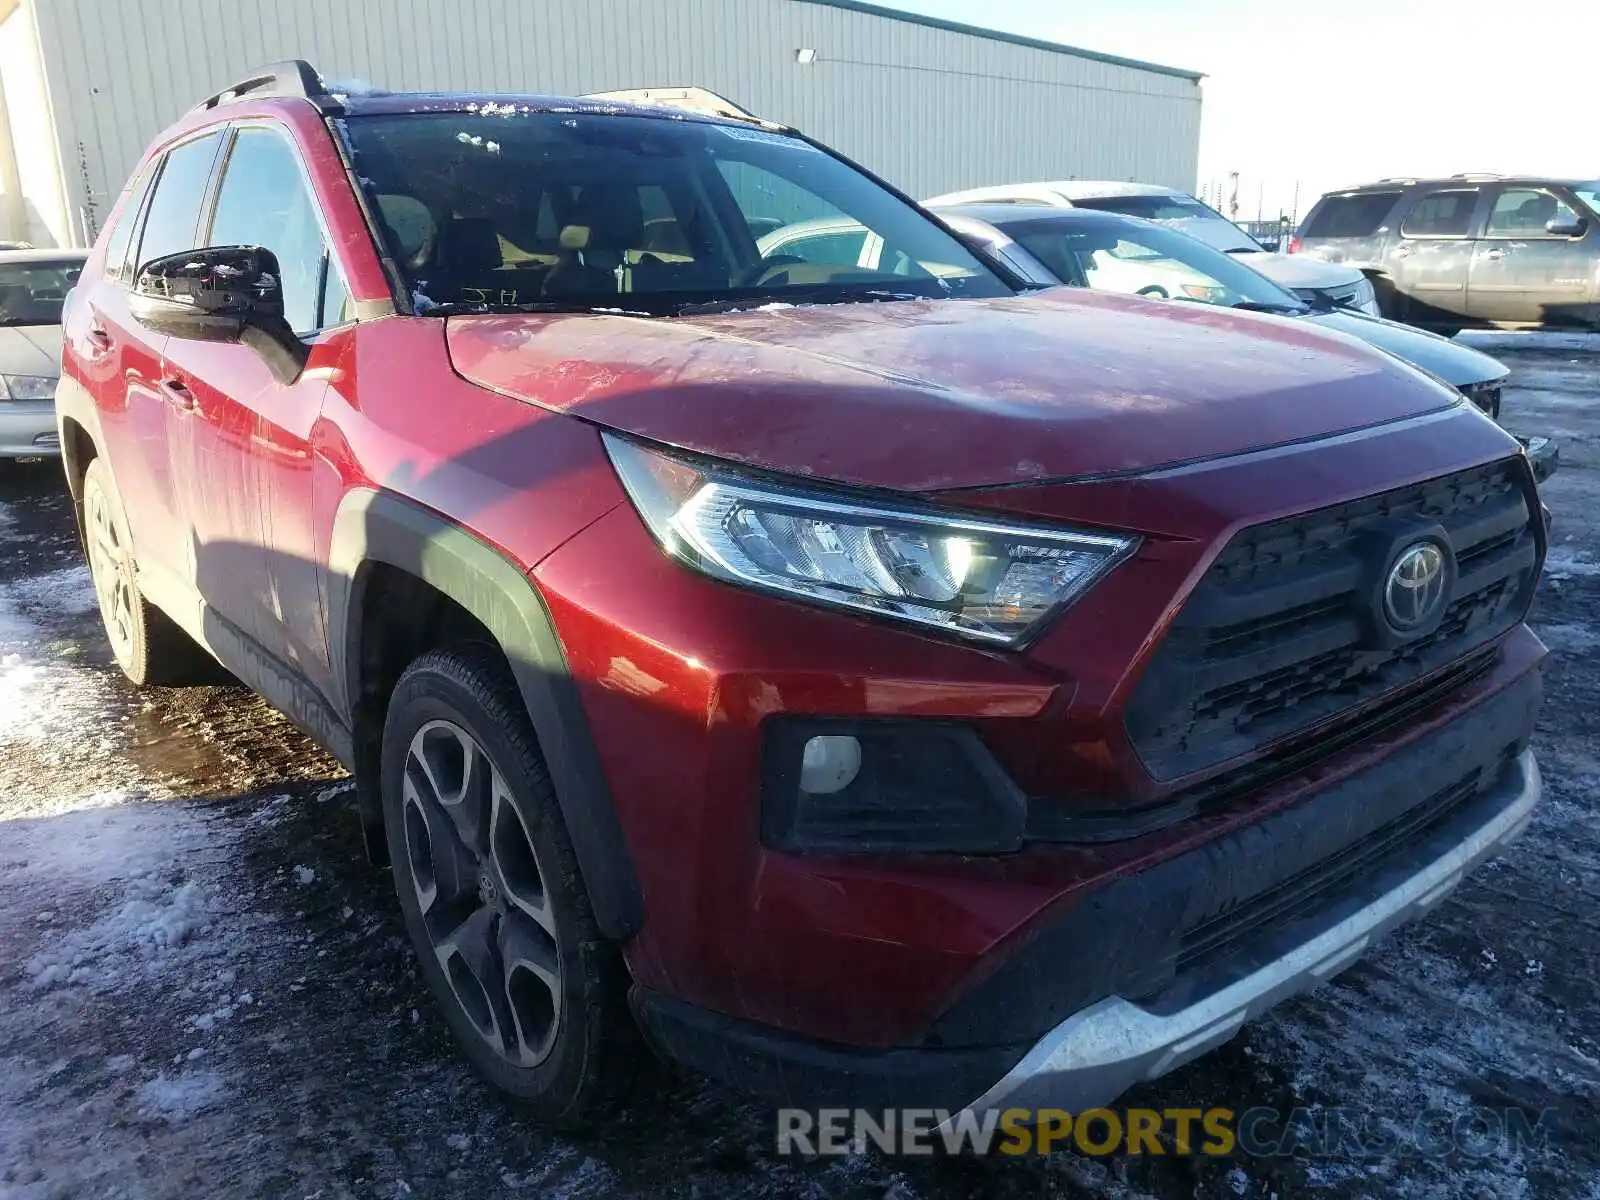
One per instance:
[(829, 763)]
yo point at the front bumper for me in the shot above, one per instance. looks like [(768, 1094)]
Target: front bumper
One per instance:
[(1154, 968), (1095, 1055), (28, 429)]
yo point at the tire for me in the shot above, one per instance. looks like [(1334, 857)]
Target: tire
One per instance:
[(151, 650), (491, 895)]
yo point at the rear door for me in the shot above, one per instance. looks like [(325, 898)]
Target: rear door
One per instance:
[(247, 462), (1522, 272), (1431, 258), (123, 362)]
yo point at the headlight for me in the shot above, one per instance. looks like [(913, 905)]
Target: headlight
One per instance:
[(988, 580), (28, 387), (1365, 299)]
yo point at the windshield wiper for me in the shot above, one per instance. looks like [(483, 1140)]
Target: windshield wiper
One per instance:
[(460, 308), (794, 296), (1264, 306)]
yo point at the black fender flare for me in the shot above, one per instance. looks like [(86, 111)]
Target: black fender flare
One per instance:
[(381, 527)]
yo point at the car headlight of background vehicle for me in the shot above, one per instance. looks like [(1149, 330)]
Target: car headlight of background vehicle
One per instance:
[(27, 387), (993, 581), (1365, 298)]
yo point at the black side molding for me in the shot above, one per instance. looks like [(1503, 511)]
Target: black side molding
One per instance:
[(379, 527)]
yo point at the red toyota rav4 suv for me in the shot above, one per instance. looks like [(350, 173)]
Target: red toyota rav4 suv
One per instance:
[(878, 686)]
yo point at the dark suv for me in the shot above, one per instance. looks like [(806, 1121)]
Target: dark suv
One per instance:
[(1469, 250), (876, 685)]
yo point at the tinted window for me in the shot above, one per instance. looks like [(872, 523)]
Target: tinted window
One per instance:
[(1151, 260), (1350, 216), (175, 208), (31, 293), (1522, 213), (264, 201), (1151, 208), (1441, 214), (116, 264), (843, 249), (618, 211)]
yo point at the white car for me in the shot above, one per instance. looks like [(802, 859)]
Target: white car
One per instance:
[(33, 286), (1315, 282)]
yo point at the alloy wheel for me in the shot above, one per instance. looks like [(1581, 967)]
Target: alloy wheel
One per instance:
[(113, 584), (480, 890)]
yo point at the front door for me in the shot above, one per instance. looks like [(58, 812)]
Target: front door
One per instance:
[(1521, 271), (1431, 260), (248, 464)]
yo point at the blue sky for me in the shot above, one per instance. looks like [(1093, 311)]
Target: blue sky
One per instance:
[(1346, 91)]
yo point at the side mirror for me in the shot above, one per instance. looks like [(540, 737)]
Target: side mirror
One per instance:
[(220, 294), (1573, 226)]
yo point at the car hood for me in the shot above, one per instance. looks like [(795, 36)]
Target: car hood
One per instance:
[(1296, 271), (30, 350), (915, 395), (1459, 366)]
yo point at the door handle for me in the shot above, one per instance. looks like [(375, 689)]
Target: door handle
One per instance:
[(177, 394), (1495, 255)]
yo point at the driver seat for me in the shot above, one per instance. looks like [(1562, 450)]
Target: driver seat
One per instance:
[(606, 222)]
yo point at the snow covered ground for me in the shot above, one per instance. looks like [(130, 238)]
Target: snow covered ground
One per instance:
[(204, 991)]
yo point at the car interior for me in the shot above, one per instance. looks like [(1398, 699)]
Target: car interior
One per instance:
[(33, 293), (538, 221)]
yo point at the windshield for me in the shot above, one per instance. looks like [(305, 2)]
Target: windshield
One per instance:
[(1142, 259), (32, 293), (1184, 212), (1589, 193), (544, 210)]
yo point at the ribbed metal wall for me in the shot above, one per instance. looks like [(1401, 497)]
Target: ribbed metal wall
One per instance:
[(928, 108)]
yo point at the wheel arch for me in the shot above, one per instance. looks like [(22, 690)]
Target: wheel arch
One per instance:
[(374, 529)]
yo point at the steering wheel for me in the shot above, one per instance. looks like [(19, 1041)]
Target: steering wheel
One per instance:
[(759, 272), (1155, 291)]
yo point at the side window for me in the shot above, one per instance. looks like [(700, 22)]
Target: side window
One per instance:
[(1523, 212), (335, 298), (769, 201), (264, 201), (1355, 215), (832, 248), (174, 211), (117, 238), (1442, 214)]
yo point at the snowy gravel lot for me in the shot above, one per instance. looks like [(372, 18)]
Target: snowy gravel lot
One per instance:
[(204, 990)]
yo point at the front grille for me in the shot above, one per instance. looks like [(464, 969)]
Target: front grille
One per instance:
[(1275, 639)]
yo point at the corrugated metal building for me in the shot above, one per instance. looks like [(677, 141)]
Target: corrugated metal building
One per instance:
[(931, 106)]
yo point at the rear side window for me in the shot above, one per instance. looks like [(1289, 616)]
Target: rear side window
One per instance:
[(1357, 214), (175, 208), (116, 261), (1442, 214)]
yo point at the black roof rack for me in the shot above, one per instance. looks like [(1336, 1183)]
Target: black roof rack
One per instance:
[(292, 77)]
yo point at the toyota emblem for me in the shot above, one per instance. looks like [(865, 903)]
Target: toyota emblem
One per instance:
[(1414, 591)]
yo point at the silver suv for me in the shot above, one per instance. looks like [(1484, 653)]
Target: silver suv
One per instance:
[(1468, 250)]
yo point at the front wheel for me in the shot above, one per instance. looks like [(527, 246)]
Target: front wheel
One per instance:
[(148, 646), (491, 895)]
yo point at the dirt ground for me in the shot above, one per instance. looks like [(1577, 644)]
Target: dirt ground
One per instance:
[(205, 992)]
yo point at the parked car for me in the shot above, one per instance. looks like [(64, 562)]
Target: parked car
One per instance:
[(33, 286), (1344, 286), (1471, 250), (877, 685)]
